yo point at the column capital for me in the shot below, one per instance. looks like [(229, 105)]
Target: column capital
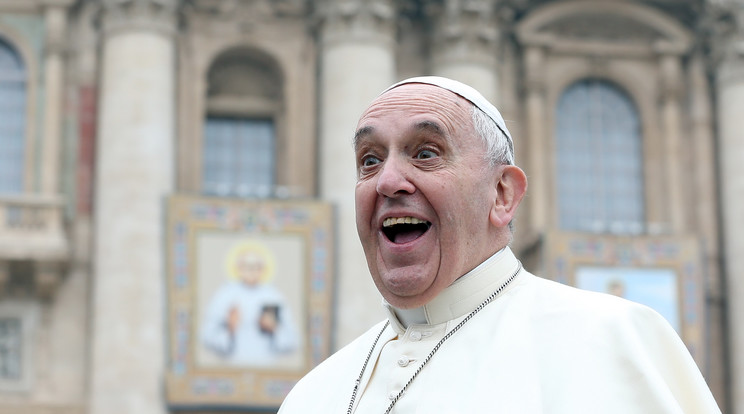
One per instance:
[(670, 76), (55, 17), (723, 24), (357, 20), (158, 15), (466, 30), (534, 64)]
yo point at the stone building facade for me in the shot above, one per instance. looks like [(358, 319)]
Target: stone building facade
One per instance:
[(107, 107)]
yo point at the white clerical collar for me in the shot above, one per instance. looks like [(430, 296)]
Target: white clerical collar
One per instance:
[(464, 295)]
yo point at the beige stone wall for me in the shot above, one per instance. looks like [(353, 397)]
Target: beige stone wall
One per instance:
[(286, 40), (333, 58)]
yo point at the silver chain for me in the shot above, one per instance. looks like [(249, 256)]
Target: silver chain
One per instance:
[(433, 351)]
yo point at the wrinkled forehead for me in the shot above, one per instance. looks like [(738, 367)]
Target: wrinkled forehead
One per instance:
[(421, 104), (418, 97), (462, 90)]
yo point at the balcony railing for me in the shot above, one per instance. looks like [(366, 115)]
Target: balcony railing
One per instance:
[(31, 228)]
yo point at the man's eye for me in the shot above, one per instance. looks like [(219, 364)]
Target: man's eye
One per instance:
[(370, 161), (425, 154)]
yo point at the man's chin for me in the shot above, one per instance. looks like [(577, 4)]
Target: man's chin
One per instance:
[(411, 292), (408, 302)]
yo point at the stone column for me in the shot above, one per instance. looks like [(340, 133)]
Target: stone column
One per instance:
[(670, 76), (466, 45), (356, 63), (729, 85), (55, 17), (537, 171), (705, 210), (134, 172)]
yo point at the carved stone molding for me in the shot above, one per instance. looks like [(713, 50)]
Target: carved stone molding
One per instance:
[(356, 20), (724, 26), (158, 15), (624, 29), (229, 8), (465, 30), (605, 27), (240, 16)]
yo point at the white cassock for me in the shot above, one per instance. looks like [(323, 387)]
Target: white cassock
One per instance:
[(539, 347), (248, 345)]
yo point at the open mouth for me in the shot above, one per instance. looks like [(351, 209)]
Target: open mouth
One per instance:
[(401, 230)]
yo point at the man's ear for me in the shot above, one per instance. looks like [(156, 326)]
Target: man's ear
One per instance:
[(510, 188)]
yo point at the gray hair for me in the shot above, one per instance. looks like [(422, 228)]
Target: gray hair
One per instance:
[(499, 148)]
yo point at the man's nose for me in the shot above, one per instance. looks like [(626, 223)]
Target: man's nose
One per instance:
[(393, 179)]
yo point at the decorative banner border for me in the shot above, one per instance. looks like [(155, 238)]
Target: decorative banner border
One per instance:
[(568, 254), (194, 221)]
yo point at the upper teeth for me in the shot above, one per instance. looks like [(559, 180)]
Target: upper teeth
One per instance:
[(391, 221)]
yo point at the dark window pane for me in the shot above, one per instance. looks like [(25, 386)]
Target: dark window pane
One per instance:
[(600, 176)]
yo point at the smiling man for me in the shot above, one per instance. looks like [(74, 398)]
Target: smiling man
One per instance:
[(468, 329)]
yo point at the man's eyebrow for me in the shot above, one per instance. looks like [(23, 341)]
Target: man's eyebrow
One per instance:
[(430, 126), (361, 133)]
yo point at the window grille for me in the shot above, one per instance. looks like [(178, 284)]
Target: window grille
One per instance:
[(11, 345), (600, 187), (239, 157), (12, 120)]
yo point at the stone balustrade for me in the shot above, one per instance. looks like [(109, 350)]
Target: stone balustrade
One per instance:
[(31, 228)]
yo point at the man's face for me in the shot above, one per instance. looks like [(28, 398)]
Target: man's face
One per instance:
[(423, 193), (250, 268)]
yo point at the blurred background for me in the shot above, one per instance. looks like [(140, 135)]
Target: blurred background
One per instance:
[(627, 116)]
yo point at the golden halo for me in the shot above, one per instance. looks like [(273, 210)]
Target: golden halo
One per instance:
[(251, 248)]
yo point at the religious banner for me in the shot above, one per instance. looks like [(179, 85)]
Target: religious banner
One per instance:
[(249, 299), (662, 272)]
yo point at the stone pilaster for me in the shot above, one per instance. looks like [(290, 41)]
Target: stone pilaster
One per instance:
[(670, 79), (536, 119), (705, 216), (465, 46), (134, 173), (729, 84), (356, 63), (56, 27)]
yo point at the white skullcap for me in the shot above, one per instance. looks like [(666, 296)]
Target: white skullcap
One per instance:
[(466, 92)]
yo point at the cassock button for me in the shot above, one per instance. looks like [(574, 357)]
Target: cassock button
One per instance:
[(415, 336), (403, 361)]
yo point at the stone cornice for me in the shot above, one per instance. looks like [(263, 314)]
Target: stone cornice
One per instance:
[(239, 17), (259, 9), (356, 20), (465, 30), (125, 15), (32, 6)]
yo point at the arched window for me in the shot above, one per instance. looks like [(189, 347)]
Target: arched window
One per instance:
[(599, 160), (12, 119), (244, 98)]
